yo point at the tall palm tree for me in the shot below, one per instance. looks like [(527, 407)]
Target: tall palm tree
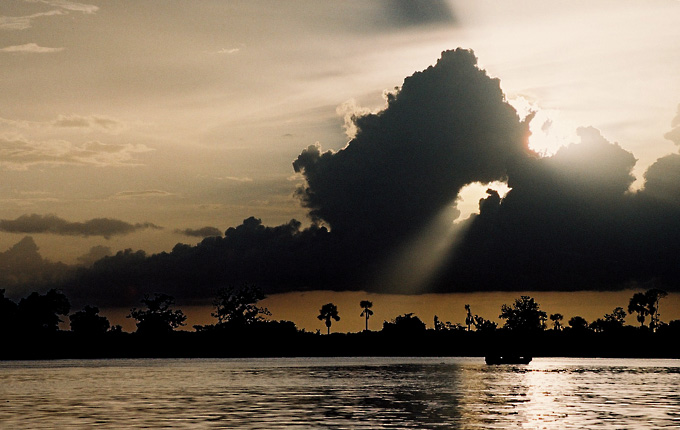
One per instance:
[(328, 311), (653, 296), (469, 320), (367, 312)]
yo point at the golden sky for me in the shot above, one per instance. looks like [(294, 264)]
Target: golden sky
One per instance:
[(303, 307)]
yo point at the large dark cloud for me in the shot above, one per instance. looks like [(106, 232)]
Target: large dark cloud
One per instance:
[(447, 126), (52, 224), (280, 258), (569, 222)]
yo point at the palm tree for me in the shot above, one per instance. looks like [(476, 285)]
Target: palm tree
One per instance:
[(328, 311), (367, 312), (653, 296), (556, 318), (469, 319)]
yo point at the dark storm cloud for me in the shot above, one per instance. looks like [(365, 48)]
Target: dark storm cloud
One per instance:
[(200, 232), (447, 126), (570, 223), (52, 224), (280, 258)]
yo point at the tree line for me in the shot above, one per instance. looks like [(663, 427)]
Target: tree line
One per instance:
[(237, 309)]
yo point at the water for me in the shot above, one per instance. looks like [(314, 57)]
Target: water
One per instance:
[(347, 393)]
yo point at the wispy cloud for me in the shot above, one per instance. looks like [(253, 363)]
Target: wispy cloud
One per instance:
[(98, 122), (52, 224), (228, 51), (200, 232), (63, 7), (69, 5), (235, 179), (31, 48), (21, 154), (83, 123), (24, 22), (141, 194)]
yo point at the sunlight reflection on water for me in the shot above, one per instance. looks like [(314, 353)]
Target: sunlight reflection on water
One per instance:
[(343, 393)]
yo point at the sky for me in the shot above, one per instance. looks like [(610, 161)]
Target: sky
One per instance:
[(139, 125)]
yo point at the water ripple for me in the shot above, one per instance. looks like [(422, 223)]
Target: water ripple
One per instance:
[(360, 393)]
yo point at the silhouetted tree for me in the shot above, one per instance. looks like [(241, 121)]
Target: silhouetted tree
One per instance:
[(469, 319), (638, 305), (653, 297), (556, 319), (578, 323), (598, 326), (88, 321), (326, 313), (523, 315), (438, 325), (239, 306), (158, 317), (447, 326), (367, 312), (40, 313), (610, 322), (404, 324), (8, 312), (616, 319), (483, 325)]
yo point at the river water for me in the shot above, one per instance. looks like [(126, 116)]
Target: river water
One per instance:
[(340, 393)]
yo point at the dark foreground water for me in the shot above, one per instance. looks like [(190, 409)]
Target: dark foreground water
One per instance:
[(346, 393)]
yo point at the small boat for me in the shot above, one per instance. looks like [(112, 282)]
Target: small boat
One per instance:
[(507, 359)]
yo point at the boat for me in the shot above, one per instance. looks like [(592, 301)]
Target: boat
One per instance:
[(507, 359)]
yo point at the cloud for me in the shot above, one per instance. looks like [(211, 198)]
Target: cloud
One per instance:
[(21, 154), (22, 269), (277, 258), (228, 51), (201, 232), (30, 48), (570, 223), (24, 22), (447, 126), (96, 122), (236, 179), (674, 134), (51, 224), (95, 253), (63, 7), (141, 194), (70, 5), (419, 12), (88, 123)]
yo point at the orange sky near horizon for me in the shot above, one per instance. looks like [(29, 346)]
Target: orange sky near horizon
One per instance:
[(303, 307)]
